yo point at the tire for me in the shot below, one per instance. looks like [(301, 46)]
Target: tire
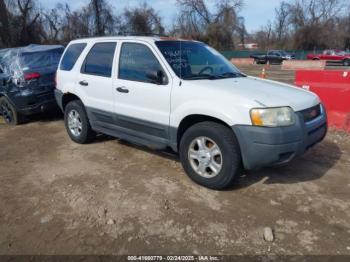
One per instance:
[(77, 123), (9, 112), (346, 62), (230, 160)]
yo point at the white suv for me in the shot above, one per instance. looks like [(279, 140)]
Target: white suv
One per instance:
[(165, 92)]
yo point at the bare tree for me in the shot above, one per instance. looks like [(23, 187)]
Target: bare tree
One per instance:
[(309, 24), (217, 27), (142, 20), (52, 22), (28, 16), (282, 22), (5, 34), (104, 21)]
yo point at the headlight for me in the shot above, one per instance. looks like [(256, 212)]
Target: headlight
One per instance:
[(272, 117)]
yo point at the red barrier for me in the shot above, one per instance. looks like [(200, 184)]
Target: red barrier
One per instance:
[(333, 88)]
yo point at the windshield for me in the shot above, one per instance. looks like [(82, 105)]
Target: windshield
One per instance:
[(41, 59), (194, 60), (340, 53)]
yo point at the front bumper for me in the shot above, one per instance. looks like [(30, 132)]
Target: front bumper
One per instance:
[(263, 146)]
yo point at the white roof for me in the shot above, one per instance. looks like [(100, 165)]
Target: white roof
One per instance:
[(149, 39)]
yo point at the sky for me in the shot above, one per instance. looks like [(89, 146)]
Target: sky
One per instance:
[(256, 12)]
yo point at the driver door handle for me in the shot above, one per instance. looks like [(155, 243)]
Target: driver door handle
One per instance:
[(123, 89), (83, 83)]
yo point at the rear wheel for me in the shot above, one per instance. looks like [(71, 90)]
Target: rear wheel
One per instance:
[(210, 155), (77, 123), (9, 112)]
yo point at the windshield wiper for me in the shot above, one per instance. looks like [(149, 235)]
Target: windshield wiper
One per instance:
[(198, 77), (229, 75), (214, 77)]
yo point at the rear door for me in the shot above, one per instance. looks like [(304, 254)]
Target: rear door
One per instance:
[(94, 83), (142, 106)]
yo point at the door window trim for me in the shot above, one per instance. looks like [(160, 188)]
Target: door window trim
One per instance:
[(154, 55), (113, 61)]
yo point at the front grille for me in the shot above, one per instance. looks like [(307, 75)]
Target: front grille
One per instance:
[(311, 113)]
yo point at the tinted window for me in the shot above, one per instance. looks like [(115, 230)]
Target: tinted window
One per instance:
[(71, 56), (99, 61), (135, 61)]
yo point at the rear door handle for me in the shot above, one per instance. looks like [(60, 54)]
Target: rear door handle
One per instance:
[(123, 90), (83, 83)]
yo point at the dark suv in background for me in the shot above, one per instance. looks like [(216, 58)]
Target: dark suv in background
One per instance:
[(27, 80), (273, 57)]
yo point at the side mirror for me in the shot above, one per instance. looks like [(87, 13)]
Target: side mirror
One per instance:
[(156, 77)]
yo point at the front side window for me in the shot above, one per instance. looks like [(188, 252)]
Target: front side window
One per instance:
[(99, 61), (136, 61), (194, 60), (71, 56)]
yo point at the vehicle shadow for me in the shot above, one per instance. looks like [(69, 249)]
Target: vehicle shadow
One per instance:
[(312, 166), (309, 167), (167, 153), (49, 116)]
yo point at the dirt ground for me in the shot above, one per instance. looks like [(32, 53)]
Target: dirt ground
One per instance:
[(110, 197)]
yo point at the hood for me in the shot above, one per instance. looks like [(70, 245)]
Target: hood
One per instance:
[(257, 92)]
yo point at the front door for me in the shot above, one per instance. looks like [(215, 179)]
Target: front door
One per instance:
[(142, 105)]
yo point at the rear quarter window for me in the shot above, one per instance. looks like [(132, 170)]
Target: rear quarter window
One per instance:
[(71, 56)]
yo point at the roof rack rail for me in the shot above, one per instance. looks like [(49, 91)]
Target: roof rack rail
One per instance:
[(127, 33)]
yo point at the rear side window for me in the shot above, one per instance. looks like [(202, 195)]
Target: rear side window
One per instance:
[(99, 61), (71, 56), (135, 60)]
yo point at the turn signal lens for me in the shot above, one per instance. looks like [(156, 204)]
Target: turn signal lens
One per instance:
[(256, 118)]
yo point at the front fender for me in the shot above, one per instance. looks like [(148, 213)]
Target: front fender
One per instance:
[(228, 114)]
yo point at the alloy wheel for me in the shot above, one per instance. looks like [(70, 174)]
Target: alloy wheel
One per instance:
[(74, 123), (205, 157)]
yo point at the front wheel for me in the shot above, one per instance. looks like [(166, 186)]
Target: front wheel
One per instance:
[(77, 123), (210, 155)]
